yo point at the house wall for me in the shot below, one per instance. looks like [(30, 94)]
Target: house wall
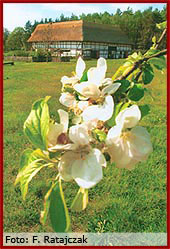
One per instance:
[(87, 49)]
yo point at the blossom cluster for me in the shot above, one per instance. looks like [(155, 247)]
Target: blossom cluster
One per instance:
[(89, 97)]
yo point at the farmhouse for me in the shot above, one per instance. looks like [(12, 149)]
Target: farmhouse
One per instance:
[(74, 38)]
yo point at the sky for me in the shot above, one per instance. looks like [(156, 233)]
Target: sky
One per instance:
[(17, 14)]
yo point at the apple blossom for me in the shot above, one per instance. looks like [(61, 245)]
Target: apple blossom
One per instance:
[(80, 67), (57, 130), (128, 147), (80, 161), (104, 109)]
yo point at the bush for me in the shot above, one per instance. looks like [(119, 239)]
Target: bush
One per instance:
[(41, 56), (17, 53)]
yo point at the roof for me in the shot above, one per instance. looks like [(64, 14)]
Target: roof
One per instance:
[(78, 31)]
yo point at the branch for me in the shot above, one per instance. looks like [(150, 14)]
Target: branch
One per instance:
[(139, 62), (161, 38), (156, 47)]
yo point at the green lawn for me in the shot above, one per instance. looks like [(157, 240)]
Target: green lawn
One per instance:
[(124, 201)]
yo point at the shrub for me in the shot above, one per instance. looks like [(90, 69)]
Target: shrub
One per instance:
[(17, 53), (41, 56)]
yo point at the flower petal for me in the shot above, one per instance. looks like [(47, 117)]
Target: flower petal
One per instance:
[(80, 86), (107, 81), (80, 67), (87, 89), (111, 89), (100, 158), (67, 99), (129, 117), (79, 135), (119, 152), (140, 143), (63, 119), (130, 148), (96, 75), (82, 105), (63, 147), (65, 165), (101, 112), (113, 134), (69, 80), (101, 62), (87, 172), (91, 124), (54, 131)]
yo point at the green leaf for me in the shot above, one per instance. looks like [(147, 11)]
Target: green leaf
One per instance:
[(84, 77), (159, 63), (99, 135), (124, 106), (76, 119), (136, 92), (30, 165), (135, 57), (154, 39), (149, 92), (147, 74), (145, 109), (125, 84), (36, 126), (68, 89), (111, 121), (161, 25), (151, 51), (80, 201), (44, 213), (58, 211)]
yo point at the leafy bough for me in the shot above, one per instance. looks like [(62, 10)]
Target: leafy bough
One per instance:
[(100, 126)]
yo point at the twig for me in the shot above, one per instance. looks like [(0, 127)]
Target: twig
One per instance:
[(156, 47), (139, 62), (161, 38)]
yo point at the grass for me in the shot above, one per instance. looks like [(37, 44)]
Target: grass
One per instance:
[(124, 201)]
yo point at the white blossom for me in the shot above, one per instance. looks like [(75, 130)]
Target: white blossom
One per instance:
[(128, 147), (80, 67), (104, 109), (55, 130), (80, 161)]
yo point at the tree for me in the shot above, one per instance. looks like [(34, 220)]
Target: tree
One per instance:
[(5, 37), (17, 39), (28, 31)]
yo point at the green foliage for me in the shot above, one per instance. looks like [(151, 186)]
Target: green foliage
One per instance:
[(17, 53), (84, 77), (151, 51), (161, 25), (99, 135), (30, 165), (117, 108), (144, 109), (58, 211), (67, 88), (136, 92), (129, 206), (36, 126), (41, 55), (122, 70), (132, 23), (80, 201), (5, 38), (44, 213), (154, 39), (125, 84), (16, 39), (147, 73), (159, 63)]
